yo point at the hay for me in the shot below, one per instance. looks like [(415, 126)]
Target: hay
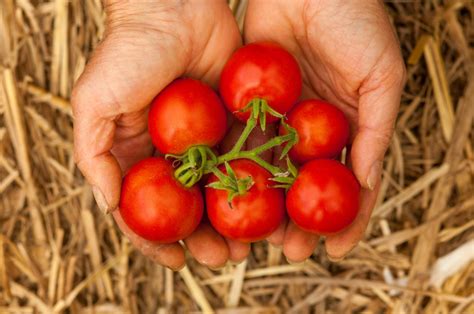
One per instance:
[(58, 253)]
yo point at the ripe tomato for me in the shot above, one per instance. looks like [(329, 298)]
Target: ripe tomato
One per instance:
[(186, 113), (322, 128), (260, 70), (324, 199), (253, 215), (156, 206)]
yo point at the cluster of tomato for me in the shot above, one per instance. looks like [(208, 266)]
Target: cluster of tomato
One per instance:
[(246, 198)]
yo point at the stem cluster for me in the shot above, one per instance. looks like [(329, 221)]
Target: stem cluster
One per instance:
[(201, 160)]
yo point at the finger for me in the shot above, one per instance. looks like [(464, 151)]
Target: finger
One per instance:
[(378, 107), (232, 137), (224, 39), (278, 236), (238, 251), (132, 141), (258, 137), (339, 245), (112, 85), (168, 255), (207, 246), (298, 244)]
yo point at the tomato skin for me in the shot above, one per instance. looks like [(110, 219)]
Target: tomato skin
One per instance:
[(186, 113), (156, 206), (254, 215), (324, 199), (323, 130), (260, 70)]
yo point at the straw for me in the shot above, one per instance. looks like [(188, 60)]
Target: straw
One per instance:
[(59, 254)]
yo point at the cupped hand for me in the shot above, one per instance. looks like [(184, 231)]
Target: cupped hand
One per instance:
[(147, 45), (349, 55)]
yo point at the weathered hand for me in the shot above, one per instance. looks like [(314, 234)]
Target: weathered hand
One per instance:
[(146, 46), (349, 55)]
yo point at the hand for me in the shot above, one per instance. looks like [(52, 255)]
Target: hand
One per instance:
[(147, 45), (349, 55)]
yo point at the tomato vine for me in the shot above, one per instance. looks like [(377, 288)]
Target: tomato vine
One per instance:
[(200, 160)]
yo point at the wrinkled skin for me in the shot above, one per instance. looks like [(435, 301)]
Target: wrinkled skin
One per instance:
[(110, 100), (349, 55), (147, 45)]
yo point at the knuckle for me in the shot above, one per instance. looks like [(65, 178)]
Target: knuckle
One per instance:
[(382, 136), (385, 137), (400, 72), (80, 162), (79, 96)]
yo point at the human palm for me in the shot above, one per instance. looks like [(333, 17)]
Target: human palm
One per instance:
[(147, 45), (349, 56)]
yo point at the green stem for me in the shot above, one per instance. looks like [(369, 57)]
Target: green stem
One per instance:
[(271, 168), (272, 143), (246, 155), (219, 174), (201, 160), (253, 154), (185, 179), (251, 123)]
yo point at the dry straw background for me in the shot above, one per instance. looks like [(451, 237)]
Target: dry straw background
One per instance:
[(59, 254)]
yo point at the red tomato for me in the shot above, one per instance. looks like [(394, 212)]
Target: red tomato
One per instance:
[(254, 215), (156, 206), (186, 113), (260, 70), (322, 128), (324, 199)]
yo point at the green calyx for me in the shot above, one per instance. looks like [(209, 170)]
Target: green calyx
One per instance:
[(285, 179), (259, 108), (201, 160), (193, 164), (291, 136), (230, 183)]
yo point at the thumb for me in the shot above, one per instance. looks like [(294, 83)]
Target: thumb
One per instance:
[(117, 85), (378, 107)]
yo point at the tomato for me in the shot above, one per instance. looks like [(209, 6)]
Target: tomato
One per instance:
[(186, 113), (322, 128), (260, 70), (253, 215), (156, 206), (324, 198)]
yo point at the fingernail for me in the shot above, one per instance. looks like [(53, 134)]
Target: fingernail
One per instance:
[(335, 259), (220, 267), (100, 200), (294, 262), (235, 263), (374, 174), (177, 268), (276, 246)]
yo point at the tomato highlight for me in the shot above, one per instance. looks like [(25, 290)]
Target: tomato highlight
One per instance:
[(185, 114), (156, 206), (161, 200), (324, 198), (260, 70), (251, 216), (322, 128)]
